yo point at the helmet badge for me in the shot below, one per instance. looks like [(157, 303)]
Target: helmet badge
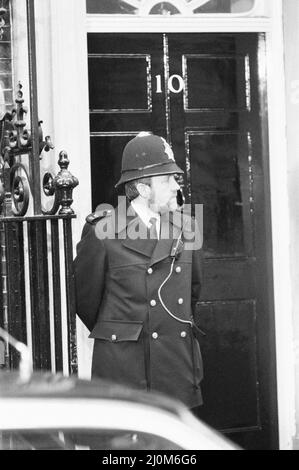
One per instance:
[(168, 150)]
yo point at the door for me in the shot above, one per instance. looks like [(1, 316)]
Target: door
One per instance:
[(204, 94)]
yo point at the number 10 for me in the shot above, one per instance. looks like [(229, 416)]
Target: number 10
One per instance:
[(171, 88)]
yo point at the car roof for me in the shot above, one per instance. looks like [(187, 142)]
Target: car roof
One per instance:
[(48, 385)]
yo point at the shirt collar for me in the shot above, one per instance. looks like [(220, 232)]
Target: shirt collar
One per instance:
[(145, 214)]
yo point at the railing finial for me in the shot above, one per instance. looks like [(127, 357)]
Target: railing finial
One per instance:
[(64, 183)]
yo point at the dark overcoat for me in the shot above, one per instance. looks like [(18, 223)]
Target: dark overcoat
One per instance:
[(137, 342)]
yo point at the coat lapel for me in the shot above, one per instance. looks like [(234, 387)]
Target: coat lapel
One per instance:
[(144, 247), (156, 250), (170, 232), (135, 236)]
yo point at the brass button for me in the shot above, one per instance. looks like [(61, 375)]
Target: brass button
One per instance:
[(155, 335), (178, 269), (153, 303), (183, 334), (180, 301), (150, 271), (113, 337)]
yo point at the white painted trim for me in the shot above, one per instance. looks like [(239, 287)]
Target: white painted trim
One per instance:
[(281, 229), (70, 90), (157, 24), (71, 118)]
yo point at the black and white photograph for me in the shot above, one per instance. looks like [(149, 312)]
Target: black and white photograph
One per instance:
[(149, 228)]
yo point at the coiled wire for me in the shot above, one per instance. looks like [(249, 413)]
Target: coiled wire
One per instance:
[(163, 304)]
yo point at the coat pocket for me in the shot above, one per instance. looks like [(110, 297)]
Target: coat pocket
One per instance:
[(117, 331), (119, 354)]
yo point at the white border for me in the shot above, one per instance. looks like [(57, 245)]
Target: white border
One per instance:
[(70, 85)]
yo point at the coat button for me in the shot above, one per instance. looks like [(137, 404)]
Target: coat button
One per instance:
[(183, 334), (113, 338), (178, 269), (155, 335), (180, 301), (150, 271), (153, 303)]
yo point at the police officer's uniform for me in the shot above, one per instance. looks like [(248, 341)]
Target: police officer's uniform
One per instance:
[(143, 334)]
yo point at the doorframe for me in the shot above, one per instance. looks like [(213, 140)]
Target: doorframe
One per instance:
[(69, 54)]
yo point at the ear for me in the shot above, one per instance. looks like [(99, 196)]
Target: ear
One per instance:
[(144, 190)]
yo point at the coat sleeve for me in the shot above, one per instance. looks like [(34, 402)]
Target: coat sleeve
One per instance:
[(89, 269)]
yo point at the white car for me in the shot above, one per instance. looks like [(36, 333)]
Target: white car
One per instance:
[(50, 411)]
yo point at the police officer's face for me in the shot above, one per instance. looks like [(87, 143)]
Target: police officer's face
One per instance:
[(163, 193)]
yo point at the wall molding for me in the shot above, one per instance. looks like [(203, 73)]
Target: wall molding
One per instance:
[(281, 229), (157, 24)]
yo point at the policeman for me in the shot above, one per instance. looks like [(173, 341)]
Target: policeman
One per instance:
[(137, 286)]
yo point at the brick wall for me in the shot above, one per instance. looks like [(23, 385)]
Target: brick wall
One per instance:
[(6, 80)]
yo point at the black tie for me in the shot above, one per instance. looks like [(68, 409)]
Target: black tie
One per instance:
[(153, 228)]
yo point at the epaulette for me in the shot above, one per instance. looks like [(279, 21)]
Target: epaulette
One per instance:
[(97, 215)]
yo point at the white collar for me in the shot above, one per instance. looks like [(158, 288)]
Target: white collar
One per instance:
[(145, 214)]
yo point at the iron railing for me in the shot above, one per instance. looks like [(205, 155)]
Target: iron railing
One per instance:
[(37, 287)]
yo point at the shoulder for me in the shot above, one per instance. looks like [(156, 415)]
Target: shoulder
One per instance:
[(190, 227), (103, 215), (185, 220), (99, 214)]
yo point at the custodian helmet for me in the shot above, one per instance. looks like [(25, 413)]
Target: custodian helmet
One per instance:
[(147, 155)]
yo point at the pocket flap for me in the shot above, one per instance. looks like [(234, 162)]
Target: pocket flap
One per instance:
[(116, 331)]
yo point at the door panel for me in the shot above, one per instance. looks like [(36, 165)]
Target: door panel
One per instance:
[(108, 95), (219, 180), (230, 352), (202, 92), (122, 71), (211, 82)]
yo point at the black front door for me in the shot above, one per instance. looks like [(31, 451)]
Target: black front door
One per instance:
[(203, 93)]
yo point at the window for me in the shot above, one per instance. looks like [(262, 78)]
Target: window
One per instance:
[(173, 7), (100, 439)]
